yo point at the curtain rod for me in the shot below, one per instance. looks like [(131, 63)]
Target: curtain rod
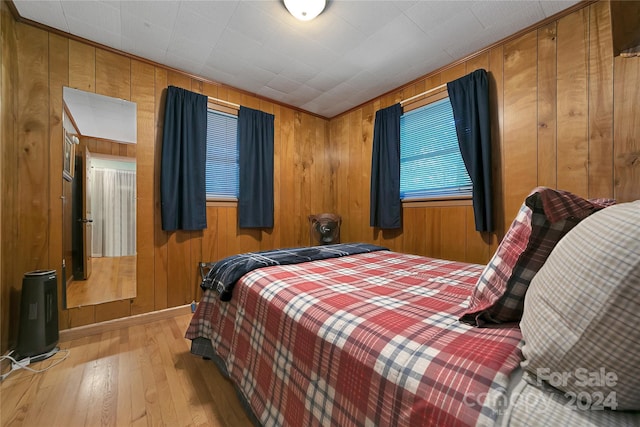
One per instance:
[(222, 101), (423, 93), (233, 104)]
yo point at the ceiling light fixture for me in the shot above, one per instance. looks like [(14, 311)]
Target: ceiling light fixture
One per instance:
[(305, 10)]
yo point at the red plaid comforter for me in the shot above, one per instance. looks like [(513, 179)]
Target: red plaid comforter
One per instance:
[(363, 340)]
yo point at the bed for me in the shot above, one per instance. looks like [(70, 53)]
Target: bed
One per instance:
[(381, 338)]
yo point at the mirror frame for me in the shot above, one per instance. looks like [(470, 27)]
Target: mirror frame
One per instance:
[(98, 106)]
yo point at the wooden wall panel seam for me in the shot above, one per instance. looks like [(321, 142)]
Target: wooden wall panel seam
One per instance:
[(515, 66)]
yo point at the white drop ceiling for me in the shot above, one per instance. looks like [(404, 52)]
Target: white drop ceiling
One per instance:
[(354, 51)]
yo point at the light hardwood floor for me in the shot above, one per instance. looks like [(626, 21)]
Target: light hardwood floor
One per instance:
[(112, 278), (139, 375)]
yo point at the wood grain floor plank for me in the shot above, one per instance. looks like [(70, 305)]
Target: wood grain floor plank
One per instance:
[(140, 375), (135, 384), (201, 413), (124, 404), (216, 393), (72, 409), (101, 390), (53, 384), (168, 407), (153, 412), (15, 400), (178, 397), (72, 372)]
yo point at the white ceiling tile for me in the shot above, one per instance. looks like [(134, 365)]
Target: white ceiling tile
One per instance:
[(217, 12), (44, 11), (181, 63), (323, 81), (88, 31), (316, 56), (511, 13), (255, 73), (271, 60), (344, 90), (313, 107), (269, 92), (239, 44), (144, 49), (218, 75), (333, 106), (429, 14), (354, 51), (363, 81), (329, 97), (96, 15), (249, 84), (144, 32), (283, 84), (291, 99), (336, 34), (305, 92), (401, 30), (382, 47), (431, 60), (463, 26), (197, 51), (298, 45), (366, 17), (219, 58), (158, 13), (298, 71), (274, 9), (191, 25), (405, 5), (252, 22), (551, 7), (234, 65), (342, 70)]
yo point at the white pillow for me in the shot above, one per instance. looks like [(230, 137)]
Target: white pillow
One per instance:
[(581, 320)]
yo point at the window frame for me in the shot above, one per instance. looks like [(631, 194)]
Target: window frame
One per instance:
[(433, 201), (221, 201)]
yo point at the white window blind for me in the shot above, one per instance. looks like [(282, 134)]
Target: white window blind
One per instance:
[(222, 155), (430, 161)]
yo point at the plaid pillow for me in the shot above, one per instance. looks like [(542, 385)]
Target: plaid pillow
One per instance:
[(544, 218), (581, 314)]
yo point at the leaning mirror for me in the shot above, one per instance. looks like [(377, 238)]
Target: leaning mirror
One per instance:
[(101, 214)]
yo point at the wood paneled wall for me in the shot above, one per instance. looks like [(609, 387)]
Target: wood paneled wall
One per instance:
[(35, 194), (9, 290), (564, 116)]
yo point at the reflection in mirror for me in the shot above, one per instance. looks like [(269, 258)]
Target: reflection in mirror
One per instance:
[(102, 215), (100, 116)]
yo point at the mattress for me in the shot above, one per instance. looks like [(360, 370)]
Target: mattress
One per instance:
[(367, 339)]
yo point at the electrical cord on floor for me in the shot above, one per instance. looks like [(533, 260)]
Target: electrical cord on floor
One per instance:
[(24, 363)]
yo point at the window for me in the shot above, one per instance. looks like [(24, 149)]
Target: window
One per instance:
[(430, 161), (222, 155)]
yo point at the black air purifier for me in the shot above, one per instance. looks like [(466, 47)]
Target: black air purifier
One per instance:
[(38, 331)]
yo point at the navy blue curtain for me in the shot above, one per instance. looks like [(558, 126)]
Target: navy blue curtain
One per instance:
[(386, 208), (469, 96), (183, 196), (255, 149)]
